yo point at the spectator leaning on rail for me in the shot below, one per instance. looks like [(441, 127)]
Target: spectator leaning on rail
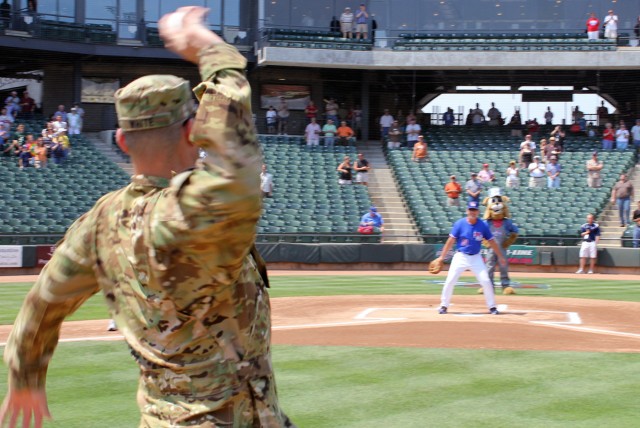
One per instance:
[(173, 255), (371, 222)]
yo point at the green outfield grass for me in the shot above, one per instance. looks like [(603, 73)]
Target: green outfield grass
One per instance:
[(92, 384), (12, 294)]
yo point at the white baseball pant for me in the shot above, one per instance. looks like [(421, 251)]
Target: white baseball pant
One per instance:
[(460, 263)]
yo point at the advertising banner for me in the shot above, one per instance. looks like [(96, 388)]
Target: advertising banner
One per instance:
[(43, 254), (10, 256)]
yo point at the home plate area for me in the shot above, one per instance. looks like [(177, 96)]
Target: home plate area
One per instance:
[(524, 323)]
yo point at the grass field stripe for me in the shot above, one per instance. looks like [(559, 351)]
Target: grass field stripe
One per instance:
[(340, 324), (83, 339)]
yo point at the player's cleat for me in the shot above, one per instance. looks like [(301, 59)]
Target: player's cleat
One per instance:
[(112, 326), (494, 311), (590, 271), (580, 271), (442, 310), (508, 290)]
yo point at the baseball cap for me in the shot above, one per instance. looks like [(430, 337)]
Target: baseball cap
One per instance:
[(536, 157), (373, 209), (472, 205), (153, 101), (474, 173), (485, 164)]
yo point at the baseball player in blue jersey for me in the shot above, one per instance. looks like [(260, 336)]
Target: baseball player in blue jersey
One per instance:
[(468, 233)]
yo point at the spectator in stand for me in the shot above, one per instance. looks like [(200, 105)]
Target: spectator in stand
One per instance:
[(312, 133), (453, 190), (622, 194), (537, 172), (78, 108), (27, 106), (548, 116), (420, 150), (635, 133), (66, 144), (283, 116), (329, 131), (527, 151), (371, 222), (24, 158), (57, 151), (395, 136), (60, 112), (473, 188), (386, 120), (345, 134), (346, 23), (512, 176), (603, 114), (266, 182), (59, 124), (362, 170), (485, 175), (12, 149), (311, 111), (356, 120), (593, 27), (362, 18), (611, 26), (41, 154), (608, 136), (516, 125), (331, 108), (469, 119), (552, 149), (622, 138), (272, 120), (6, 120), (577, 114), (543, 149), (636, 228), (553, 173), (594, 168), (345, 173), (12, 104), (590, 233), (334, 25), (448, 117), (19, 135), (411, 116), (494, 115), (560, 136), (591, 130), (74, 121), (477, 116), (532, 126), (413, 131)]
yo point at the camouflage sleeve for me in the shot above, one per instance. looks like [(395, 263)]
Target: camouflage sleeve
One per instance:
[(218, 204), (63, 285)]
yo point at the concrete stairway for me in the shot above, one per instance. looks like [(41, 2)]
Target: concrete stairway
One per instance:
[(102, 142), (609, 220), (398, 225)]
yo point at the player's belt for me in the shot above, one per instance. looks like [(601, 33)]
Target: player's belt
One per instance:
[(468, 254)]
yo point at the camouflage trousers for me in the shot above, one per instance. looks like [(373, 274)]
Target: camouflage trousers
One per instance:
[(247, 401)]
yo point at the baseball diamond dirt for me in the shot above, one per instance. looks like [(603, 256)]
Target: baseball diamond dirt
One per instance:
[(525, 323)]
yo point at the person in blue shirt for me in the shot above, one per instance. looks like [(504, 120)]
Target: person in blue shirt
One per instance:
[(468, 233), (373, 219), (590, 232)]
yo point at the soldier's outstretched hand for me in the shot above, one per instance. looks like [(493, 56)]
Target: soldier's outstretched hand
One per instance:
[(185, 33)]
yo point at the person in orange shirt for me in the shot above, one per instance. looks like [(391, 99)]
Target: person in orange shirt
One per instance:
[(345, 134), (420, 150), (453, 190), (41, 154)]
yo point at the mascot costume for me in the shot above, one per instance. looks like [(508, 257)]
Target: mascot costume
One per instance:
[(504, 231)]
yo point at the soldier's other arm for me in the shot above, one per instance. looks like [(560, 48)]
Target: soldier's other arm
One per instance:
[(65, 283)]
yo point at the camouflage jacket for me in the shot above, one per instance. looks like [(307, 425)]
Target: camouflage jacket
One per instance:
[(173, 258)]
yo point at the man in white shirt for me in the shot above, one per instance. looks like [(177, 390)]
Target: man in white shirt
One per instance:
[(413, 131), (622, 138), (611, 26), (537, 173), (312, 133), (346, 23), (386, 120), (266, 182)]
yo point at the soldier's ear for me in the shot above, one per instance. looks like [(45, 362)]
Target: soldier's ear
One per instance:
[(120, 141)]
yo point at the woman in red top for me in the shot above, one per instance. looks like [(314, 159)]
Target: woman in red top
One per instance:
[(311, 110), (593, 23), (608, 135)]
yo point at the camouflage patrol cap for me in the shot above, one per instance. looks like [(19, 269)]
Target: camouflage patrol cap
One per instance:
[(153, 101)]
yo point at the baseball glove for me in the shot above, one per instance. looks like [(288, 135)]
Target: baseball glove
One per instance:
[(435, 266)]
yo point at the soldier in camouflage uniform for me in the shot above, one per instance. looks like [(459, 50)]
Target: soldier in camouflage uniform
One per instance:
[(173, 254)]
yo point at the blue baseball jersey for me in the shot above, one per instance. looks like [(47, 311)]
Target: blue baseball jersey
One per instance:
[(594, 230), (469, 236)]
